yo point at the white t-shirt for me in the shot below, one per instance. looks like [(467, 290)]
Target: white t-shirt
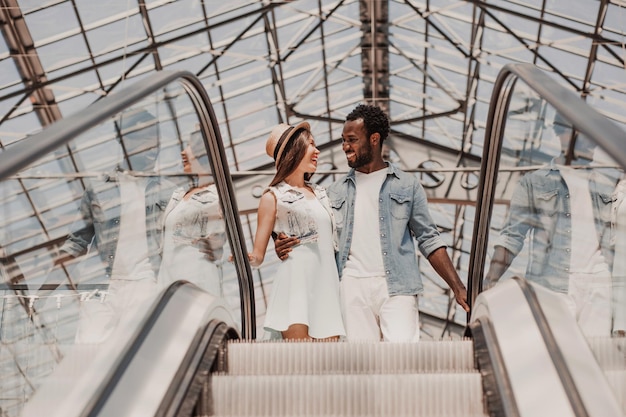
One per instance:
[(131, 257), (365, 258), (586, 256)]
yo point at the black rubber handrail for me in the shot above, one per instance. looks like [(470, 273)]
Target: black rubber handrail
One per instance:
[(28, 150), (203, 357), (497, 386)]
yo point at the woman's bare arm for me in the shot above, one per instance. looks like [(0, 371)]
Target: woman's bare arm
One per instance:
[(266, 216)]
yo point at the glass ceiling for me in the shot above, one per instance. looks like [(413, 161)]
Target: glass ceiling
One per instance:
[(430, 64)]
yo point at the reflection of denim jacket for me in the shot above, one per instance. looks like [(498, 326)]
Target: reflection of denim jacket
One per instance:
[(403, 214), (291, 212), (100, 218), (541, 205)]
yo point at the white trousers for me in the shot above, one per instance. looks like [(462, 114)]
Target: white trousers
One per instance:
[(371, 314), (589, 300), (99, 317)]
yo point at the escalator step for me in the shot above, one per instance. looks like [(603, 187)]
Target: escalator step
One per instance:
[(609, 352), (617, 381), (432, 395), (309, 358)]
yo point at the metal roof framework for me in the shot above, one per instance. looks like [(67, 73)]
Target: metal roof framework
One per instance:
[(431, 64)]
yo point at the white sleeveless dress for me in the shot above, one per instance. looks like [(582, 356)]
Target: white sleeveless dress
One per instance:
[(306, 286), (184, 221)]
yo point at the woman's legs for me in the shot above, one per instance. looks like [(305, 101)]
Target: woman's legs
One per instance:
[(297, 331), (300, 332)]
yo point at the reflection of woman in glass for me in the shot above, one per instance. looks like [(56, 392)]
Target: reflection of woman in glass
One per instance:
[(193, 234), (619, 266), (304, 303)]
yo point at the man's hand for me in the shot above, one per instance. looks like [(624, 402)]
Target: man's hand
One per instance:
[(283, 244), (461, 298), (442, 264)]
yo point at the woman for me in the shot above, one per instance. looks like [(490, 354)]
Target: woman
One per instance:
[(193, 232), (619, 266), (304, 303)]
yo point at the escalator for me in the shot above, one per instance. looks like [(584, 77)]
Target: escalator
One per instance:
[(156, 363), (529, 360), (186, 352), (432, 378)]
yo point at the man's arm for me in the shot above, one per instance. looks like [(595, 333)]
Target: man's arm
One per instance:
[(283, 244), (78, 240), (500, 262), (521, 218), (442, 264)]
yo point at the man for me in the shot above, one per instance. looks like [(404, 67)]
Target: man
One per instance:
[(567, 214), (120, 217), (380, 211)]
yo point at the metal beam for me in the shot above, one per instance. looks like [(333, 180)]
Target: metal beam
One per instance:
[(374, 15), (22, 49)]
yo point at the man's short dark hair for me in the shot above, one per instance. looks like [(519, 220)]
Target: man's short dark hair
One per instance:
[(374, 119)]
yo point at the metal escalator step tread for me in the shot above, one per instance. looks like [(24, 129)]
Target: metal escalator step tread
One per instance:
[(278, 358), (430, 395)]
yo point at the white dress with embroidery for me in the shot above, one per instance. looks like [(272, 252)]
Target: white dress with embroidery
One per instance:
[(306, 286), (185, 221)]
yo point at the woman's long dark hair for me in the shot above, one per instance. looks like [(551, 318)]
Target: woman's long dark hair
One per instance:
[(292, 156)]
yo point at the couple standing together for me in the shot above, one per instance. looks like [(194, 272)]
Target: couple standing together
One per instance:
[(349, 263)]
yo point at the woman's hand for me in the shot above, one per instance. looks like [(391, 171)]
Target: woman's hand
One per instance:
[(254, 260)]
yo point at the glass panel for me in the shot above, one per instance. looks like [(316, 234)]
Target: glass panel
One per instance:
[(557, 209), (94, 232)]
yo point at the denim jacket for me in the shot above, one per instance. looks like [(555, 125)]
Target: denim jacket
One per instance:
[(541, 205), (291, 215), (403, 216), (99, 221)]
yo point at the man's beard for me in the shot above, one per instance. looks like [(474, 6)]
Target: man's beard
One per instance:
[(363, 158)]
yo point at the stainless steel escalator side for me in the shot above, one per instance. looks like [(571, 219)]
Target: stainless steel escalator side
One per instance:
[(167, 364), (153, 364), (543, 358)]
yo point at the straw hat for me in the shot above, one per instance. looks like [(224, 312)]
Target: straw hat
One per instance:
[(280, 136)]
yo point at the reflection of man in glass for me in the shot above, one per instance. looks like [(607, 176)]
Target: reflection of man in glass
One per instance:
[(119, 217), (565, 212)]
